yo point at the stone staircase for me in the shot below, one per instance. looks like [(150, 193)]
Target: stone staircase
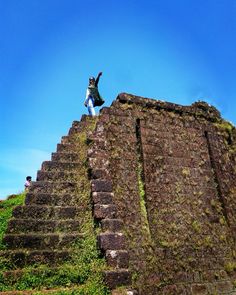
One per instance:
[(56, 207)]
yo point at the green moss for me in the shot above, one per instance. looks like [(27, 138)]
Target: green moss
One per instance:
[(144, 216), (84, 271), (230, 267), (225, 126), (234, 284), (6, 208), (228, 131), (196, 226), (127, 106), (207, 241), (222, 220), (186, 172)]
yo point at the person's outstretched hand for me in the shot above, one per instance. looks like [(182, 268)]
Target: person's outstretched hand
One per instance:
[(100, 74)]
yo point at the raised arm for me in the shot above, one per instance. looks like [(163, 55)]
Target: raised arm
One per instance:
[(97, 79)]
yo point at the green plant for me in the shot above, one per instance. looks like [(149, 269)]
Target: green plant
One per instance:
[(196, 226), (6, 208), (230, 266)]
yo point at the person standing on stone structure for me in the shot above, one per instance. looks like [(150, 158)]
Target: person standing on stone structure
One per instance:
[(93, 97), (28, 182)]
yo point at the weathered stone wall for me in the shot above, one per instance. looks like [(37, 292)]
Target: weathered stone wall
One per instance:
[(163, 188), (173, 175)]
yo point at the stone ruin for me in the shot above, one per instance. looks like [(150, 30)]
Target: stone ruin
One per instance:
[(162, 180)]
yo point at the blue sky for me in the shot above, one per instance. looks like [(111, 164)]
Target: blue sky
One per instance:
[(178, 51)]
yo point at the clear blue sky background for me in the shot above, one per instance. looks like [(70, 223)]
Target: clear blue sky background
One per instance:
[(179, 51)]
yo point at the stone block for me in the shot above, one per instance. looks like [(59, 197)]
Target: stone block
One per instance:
[(199, 289), (116, 278), (124, 292), (30, 225), (49, 257), (104, 211), (32, 211), (40, 241), (55, 176), (98, 162), (15, 258), (117, 258), (100, 174), (68, 225), (66, 147), (111, 241), (42, 226), (100, 144), (31, 241), (51, 187), (224, 287), (174, 290), (67, 140), (101, 186), (65, 212), (102, 198), (50, 199), (112, 225), (57, 166), (66, 157), (96, 153)]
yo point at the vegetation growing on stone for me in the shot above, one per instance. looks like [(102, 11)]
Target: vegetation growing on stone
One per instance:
[(82, 273), (6, 208), (176, 197)]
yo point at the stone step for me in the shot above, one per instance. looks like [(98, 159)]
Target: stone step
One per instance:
[(13, 277), (112, 225), (98, 185), (100, 174), (102, 198), (98, 143), (57, 166), (117, 258), (101, 211), (111, 241), (68, 139), (122, 291), (66, 148), (54, 291), (53, 187), (55, 176), (95, 163), (118, 277), (71, 157), (21, 258), (77, 127), (52, 199), (46, 212), (43, 226), (40, 241), (86, 118)]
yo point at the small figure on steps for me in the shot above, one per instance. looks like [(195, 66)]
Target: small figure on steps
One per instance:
[(93, 97), (28, 182)]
